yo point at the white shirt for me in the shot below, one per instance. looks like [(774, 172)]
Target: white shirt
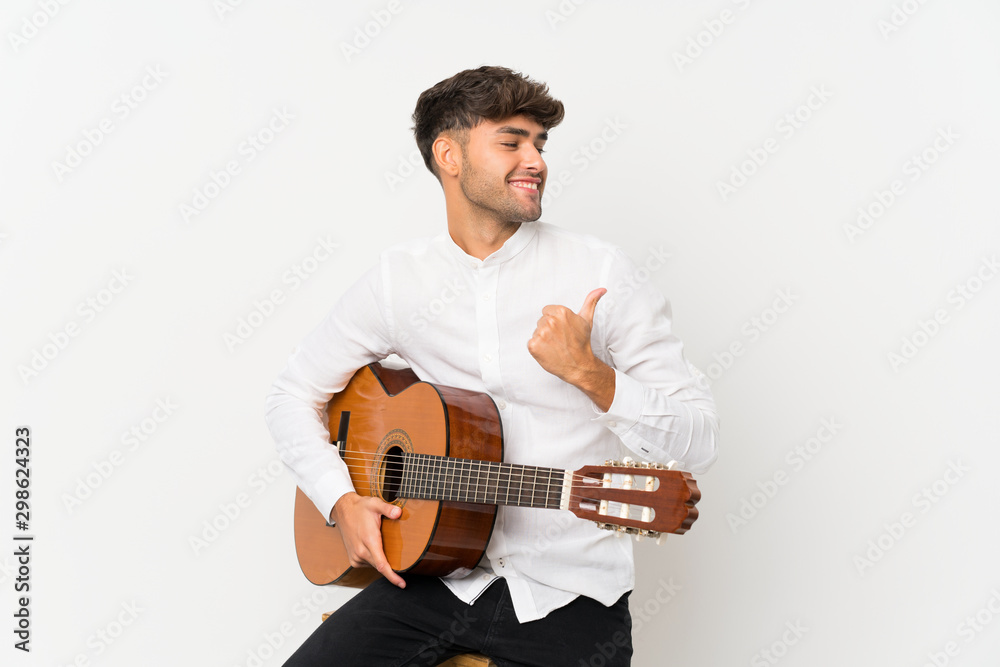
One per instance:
[(463, 322)]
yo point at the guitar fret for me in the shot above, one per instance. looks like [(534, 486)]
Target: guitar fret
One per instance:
[(418, 478), (414, 476), (494, 486), (424, 477), (473, 467), (484, 469), (403, 481), (520, 487), (430, 477), (479, 482), (506, 497), (462, 483), (467, 486), (470, 484)]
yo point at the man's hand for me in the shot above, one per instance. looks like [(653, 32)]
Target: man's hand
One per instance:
[(561, 345), (360, 519)]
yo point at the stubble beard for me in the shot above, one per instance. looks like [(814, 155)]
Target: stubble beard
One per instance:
[(495, 200)]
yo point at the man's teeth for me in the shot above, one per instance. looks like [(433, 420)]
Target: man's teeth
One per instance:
[(524, 184)]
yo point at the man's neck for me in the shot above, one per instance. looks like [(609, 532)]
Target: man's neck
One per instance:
[(478, 236)]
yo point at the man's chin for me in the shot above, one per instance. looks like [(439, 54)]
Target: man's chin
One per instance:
[(532, 216)]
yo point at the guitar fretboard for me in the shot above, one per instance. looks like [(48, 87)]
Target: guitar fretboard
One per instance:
[(486, 482)]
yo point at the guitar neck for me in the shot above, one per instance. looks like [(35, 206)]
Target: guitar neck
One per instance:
[(430, 477)]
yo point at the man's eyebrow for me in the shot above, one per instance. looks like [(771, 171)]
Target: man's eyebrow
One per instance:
[(521, 132)]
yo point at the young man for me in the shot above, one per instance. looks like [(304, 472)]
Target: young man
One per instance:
[(572, 388)]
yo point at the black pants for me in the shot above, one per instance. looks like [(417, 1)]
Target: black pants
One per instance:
[(424, 624)]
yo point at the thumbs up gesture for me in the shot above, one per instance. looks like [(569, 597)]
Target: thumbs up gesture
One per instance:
[(561, 345)]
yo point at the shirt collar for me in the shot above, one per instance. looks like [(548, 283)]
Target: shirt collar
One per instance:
[(511, 247)]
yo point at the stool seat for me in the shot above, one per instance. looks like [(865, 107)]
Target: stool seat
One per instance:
[(464, 660)]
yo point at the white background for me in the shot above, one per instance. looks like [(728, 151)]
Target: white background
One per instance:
[(825, 550)]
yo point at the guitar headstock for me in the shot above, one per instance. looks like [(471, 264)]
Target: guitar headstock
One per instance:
[(644, 499)]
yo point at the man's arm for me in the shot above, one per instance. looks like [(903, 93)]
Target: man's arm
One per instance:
[(561, 345), (354, 333), (656, 402)]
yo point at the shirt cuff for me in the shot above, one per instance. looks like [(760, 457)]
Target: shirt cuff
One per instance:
[(328, 491), (626, 408)]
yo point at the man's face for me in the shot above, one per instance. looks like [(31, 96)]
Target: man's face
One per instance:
[(503, 173)]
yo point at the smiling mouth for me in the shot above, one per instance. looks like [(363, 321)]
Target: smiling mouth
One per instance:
[(525, 185)]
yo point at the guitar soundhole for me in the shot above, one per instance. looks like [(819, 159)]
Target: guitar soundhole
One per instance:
[(392, 473)]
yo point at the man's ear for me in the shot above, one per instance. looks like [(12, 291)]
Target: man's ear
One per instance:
[(447, 154)]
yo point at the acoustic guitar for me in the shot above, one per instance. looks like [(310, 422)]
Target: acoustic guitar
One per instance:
[(437, 452)]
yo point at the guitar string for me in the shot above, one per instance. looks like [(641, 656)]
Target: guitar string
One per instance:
[(466, 465), (617, 470)]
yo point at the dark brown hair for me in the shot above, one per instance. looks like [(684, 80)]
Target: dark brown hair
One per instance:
[(474, 95)]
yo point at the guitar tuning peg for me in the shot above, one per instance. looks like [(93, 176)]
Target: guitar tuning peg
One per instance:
[(660, 538), (628, 462)]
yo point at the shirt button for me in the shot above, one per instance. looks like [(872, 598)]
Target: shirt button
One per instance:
[(486, 297), (500, 562), (612, 424), (487, 357), (502, 405)]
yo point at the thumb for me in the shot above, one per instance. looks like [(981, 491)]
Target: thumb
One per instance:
[(388, 510), (590, 305)]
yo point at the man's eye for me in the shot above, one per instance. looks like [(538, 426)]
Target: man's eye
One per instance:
[(541, 150), (512, 145)]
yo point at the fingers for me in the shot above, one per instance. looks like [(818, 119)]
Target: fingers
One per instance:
[(376, 554), (590, 305), (360, 521), (379, 562), (388, 510)]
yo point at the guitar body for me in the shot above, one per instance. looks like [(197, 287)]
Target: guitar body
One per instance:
[(391, 411)]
